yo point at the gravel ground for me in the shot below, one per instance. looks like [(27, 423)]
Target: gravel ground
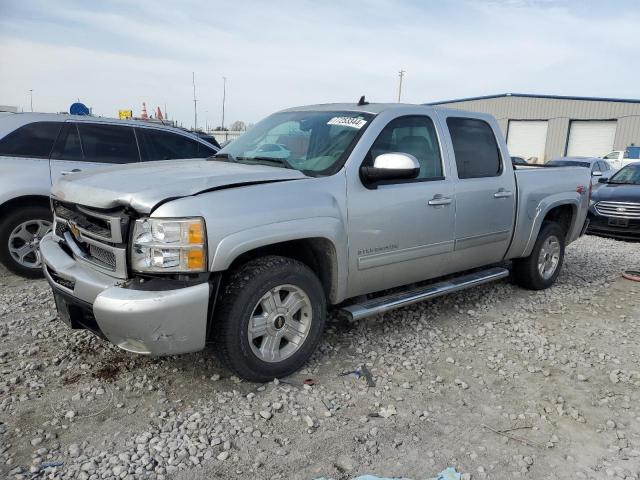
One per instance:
[(556, 371)]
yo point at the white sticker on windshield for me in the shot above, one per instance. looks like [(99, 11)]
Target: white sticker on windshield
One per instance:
[(348, 122)]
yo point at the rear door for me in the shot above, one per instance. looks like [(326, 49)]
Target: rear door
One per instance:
[(485, 193), (84, 145), (24, 153)]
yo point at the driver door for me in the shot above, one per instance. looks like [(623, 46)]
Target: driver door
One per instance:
[(401, 231)]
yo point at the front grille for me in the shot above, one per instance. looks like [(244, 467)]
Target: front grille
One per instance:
[(95, 237), (618, 209), (92, 224), (61, 227), (107, 257)]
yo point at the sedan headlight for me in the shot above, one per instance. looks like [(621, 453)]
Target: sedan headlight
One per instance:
[(169, 245)]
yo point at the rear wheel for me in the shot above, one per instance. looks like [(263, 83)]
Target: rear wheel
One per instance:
[(541, 269), (270, 318), (20, 235)]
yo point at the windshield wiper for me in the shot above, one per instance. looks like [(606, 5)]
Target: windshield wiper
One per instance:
[(279, 161), (223, 157)]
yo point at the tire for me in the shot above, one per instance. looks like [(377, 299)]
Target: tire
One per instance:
[(253, 318), (540, 270), (23, 229)]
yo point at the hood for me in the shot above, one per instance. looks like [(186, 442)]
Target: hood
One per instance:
[(616, 193), (142, 186)]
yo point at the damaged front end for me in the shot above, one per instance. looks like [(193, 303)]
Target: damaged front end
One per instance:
[(86, 260)]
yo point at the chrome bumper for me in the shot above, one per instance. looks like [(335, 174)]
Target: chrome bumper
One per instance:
[(156, 322)]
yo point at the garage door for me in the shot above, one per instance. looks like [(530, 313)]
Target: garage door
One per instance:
[(527, 138), (591, 139)]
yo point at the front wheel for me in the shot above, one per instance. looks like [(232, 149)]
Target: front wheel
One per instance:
[(541, 269), (20, 235), (270, 318)]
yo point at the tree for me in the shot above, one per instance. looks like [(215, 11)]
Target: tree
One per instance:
[(238, 126)]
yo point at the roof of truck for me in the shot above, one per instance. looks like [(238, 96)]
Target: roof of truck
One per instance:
[(376, 108), (354, 107)]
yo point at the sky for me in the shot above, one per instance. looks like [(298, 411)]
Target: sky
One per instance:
[(117, 54)]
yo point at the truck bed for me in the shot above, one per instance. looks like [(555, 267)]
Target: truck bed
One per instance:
[(538, 187)]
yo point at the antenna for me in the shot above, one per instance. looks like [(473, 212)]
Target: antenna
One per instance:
[(401, 75), (31, 98), (362, 101), (195, 107)]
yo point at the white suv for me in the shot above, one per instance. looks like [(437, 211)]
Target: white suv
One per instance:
[(36, 148)]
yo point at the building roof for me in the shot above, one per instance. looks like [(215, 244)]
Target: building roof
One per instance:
[(532, 95)]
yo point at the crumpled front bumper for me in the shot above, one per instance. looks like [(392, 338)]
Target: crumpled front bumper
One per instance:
[(157, 317)]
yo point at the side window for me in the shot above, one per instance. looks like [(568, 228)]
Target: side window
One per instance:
[(104, 143), (32, 140), (415, 135), (161, 145), (67, 145), (475, 148)]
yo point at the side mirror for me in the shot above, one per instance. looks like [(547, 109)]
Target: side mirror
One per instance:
[(603, 180), (391, 166), (596, 173)]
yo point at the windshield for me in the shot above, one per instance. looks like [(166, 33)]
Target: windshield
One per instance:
[(568, 163), (629, 175), (316, 143)]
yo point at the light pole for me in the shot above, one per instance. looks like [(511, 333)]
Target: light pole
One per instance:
[(224, 97), (31, 98), (401, 75), (195, 108)]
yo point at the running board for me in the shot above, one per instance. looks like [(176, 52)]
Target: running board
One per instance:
[(407, 297)]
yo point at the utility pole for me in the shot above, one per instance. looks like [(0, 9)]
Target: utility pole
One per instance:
[(195, 108), (224, 97), (31, 98), (401, 75)]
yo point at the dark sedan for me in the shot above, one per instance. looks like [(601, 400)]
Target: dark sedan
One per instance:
[(614, 210)]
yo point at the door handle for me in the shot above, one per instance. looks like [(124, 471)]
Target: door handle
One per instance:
[(502, 193), (67, 172), (438, 200)]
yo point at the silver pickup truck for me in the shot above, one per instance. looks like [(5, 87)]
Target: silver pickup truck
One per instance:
[(363, 208)]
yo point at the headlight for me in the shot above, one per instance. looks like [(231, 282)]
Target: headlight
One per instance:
[(169, 245)]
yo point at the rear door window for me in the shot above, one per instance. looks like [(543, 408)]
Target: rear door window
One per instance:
[(102, 143), (159, 145), (475, 148), (33, 140), (67, 145)]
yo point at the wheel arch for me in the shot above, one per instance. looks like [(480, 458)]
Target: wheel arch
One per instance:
[(564, 207), (317, 253), (318, 242), (23, 201)]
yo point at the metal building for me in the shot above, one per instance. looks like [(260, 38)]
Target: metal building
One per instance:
[(549, 126)]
